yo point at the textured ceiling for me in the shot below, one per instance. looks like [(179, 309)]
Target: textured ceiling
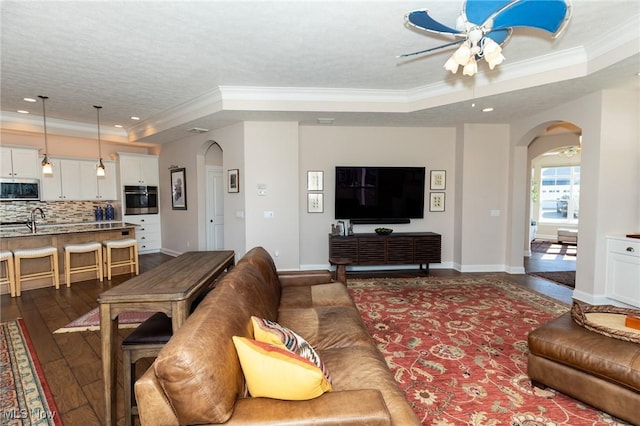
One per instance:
[(145, 58)]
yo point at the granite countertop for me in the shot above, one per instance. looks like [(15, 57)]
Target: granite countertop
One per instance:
[(8, 231)]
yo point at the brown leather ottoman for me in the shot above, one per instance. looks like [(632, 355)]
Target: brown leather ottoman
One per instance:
[(590, 367)]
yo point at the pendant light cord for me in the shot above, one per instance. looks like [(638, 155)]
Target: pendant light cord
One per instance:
[(44, 117), (97, 107)]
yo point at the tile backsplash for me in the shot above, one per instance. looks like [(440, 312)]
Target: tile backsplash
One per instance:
[(55, 211)]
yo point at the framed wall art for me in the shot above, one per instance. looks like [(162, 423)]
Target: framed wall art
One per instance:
[(436, 201), (315, 203), (178, 189), (315, 180), (438, 179), (233, 180)]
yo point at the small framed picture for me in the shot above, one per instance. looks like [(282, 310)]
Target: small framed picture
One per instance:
[(315, 203), (438, 179), (178, 189), (233, 180), (436, 201), (315, 180)]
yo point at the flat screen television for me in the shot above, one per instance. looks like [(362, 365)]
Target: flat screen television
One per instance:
[(379, 194)]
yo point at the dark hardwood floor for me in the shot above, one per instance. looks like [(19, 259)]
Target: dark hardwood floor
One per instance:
[(71, 361)]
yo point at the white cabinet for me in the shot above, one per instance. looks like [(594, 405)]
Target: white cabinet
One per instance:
[(64, 184), (139, 169), (148, 233), (19, 163), (623, 270), (93, 187)]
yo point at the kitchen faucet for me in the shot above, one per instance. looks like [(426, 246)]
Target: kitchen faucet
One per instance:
[(32, 220)]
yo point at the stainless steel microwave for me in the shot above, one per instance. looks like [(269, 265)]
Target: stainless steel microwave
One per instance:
[(19, 189), (140, 200)]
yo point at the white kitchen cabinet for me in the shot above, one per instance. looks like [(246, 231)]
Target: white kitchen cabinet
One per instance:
[(148, 233), (19, 163), (64, 184), (100, 188), (138, 169), (623, 270)]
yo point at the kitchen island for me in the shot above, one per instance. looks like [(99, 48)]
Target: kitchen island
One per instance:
[(58, 235)]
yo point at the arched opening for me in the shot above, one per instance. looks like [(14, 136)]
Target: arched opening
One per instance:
[(214, 197), (554, 165)]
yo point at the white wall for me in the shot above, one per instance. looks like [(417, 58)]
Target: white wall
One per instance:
[(484, 197), (324, 147), (271, 163)]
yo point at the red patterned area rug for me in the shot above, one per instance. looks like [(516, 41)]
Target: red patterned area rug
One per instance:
[(25, 398), (458, 349), (91, 321)]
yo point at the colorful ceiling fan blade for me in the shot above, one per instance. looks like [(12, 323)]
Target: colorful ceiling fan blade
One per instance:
[(421, 19), (547, 15)]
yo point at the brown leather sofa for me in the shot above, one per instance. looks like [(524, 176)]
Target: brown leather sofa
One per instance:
[(599, 370), (197, 377)]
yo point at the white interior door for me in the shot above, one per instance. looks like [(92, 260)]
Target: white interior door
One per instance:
[(215, 208)]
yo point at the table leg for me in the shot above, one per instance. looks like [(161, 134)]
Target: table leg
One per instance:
[(179, 314), (108, 328)]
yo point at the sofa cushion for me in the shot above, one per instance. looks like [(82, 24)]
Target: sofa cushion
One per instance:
[(273, 333), (311, 296), (327, 327), (364, 367), (273, 371)]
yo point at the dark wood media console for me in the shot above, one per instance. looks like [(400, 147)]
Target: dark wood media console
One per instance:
[(398, 248)]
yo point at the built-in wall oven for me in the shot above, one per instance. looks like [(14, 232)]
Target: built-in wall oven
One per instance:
[(140, 200)]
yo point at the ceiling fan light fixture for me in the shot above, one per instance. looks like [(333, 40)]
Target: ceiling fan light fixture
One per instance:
[(471, 68), (462, 54), (484, 26), (451, 65), (492, 53)]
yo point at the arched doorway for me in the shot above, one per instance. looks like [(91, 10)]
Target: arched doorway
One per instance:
[(554, 163), (214, 196)]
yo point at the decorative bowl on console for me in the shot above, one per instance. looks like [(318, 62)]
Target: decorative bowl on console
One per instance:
[(383, 231)]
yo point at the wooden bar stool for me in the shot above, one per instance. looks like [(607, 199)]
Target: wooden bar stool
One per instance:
[(144, 342), (36, 253), (129, 243), (10, 277), (70, 249)]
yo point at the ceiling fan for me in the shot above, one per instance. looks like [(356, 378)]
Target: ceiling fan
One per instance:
[(485, 25)]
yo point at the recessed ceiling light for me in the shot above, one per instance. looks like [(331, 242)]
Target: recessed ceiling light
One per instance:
[(487, 109), (133, 117), (29, 99), (119, 126), (21, 111)]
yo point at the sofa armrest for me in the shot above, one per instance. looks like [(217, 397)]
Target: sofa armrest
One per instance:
[(153, 406), (304, 278), (355, 407)]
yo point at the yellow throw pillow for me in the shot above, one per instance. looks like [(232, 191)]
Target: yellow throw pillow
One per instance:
[(273, 333), (273, 371)]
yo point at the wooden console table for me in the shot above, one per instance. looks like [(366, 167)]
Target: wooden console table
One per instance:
[(398, 248), (169, 288)]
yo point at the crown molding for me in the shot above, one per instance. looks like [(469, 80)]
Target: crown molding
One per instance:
[(206, 104), (34, 124)]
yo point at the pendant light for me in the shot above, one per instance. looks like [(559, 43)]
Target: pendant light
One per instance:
[(100, 170), (47, 168)]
